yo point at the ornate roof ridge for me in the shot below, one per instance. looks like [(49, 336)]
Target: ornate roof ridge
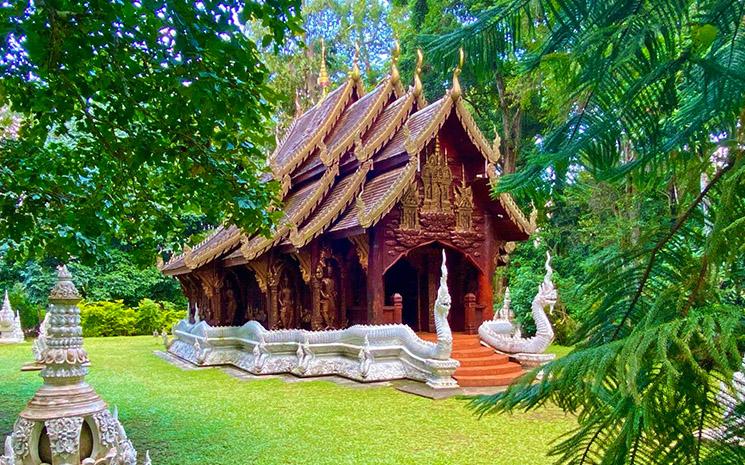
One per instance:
[(414, 144), (319, 223), (365, 121), (516, 214), (393, 195), (207, 250), (373, 145), (250, 251), (318, 134), (474, 133)]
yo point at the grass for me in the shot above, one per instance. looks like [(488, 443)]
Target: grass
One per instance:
[(206, 417)]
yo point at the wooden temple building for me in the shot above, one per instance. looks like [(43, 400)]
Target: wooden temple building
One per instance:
[(375, 185)]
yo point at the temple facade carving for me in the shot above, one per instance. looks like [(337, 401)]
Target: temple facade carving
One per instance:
[(437, 179)]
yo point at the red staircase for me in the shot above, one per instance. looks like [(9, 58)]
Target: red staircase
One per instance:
[(479, 366)]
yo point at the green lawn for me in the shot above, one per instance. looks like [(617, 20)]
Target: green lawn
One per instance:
[(206, 417)]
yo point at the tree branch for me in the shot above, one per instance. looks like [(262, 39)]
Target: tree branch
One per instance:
[(661, 243)]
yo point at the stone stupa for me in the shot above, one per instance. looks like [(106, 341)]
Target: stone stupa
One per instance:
[(66, 422), (10, 324)]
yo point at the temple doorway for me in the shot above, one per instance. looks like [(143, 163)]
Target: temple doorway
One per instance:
[(416, 277)]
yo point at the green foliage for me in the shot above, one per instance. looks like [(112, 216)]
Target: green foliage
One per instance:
[(157, 316), (656, 109), (30, 312), (342, 24), (113, 277), (135, 116), (106, 319), (199, 417)]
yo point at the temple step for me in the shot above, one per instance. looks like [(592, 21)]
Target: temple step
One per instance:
[(470, 352), (481, 361), (480, 366), (487, 380), (491, 369)]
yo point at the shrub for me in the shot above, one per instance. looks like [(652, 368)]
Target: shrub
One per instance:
[(157, 316), (113, 318), (29, 311), (107, 319)]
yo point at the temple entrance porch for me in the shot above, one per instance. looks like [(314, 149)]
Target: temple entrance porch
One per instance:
[(411, 284)]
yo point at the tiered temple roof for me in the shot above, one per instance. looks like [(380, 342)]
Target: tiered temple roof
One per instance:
[(345, 162)]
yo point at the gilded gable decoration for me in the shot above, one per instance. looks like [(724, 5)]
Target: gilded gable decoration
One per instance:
[(495, 147), (437, 179), (410, 208), (323, 75), (455, 91), (359, 151), (361, 247), (418, 88), (261, 272), (324, 154), (463, 205), (354, 73), (303, 258), (286, 184), (395, 75)]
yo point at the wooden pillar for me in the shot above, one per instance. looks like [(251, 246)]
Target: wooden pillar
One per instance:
[(341, 319), (316, 273), (375, 283), (272, 316), (469, 306), (486, 279)]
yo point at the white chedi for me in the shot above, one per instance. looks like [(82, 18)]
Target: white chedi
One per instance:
[(10, 324)]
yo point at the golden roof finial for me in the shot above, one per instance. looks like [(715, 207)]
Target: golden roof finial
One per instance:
[(395, 53), (456, 91), (298, 107), (418, 72), (323, 75), (354, 73), (496, 145)]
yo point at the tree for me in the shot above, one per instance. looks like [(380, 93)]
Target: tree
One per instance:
[(343, 25), (656, 108), (134, 116)]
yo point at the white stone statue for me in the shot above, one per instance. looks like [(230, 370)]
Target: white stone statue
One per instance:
[(40, 343), (496, 333), (10, 324)]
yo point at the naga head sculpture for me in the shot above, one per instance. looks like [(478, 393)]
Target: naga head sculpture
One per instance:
[(547, 294), (443, 294)]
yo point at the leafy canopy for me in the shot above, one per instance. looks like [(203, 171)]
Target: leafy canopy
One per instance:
[(656, 108), (134, 115)]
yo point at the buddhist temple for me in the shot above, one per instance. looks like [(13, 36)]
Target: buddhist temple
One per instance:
[(375, 184)]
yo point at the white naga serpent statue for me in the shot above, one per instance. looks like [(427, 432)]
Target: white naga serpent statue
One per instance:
[(501, 335), (361, 352)]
